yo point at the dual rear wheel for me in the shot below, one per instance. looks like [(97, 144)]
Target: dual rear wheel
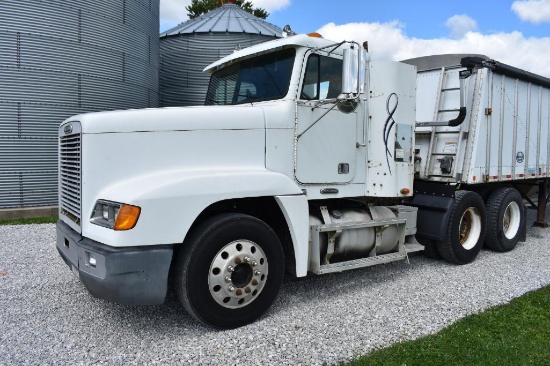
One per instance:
[(505, 216), (498, 224), (466, 229)]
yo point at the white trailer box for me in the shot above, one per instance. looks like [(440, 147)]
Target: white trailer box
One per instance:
[(504, 136)]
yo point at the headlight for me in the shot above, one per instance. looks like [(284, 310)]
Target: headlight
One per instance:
[(114, 215)]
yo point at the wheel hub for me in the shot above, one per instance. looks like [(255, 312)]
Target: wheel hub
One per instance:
[(242, 275), (511, 220), (238, 274), (470, 228), (506, 219), (465, 227)]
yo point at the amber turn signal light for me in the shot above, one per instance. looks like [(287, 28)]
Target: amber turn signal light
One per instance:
[(127, 217)]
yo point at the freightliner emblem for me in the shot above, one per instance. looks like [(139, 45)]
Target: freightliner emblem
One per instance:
[(68, 129)]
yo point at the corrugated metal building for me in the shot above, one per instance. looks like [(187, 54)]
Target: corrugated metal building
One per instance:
[(188, 48), (60, 58)]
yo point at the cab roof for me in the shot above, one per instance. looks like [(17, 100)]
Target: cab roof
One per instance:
[(300, 40)]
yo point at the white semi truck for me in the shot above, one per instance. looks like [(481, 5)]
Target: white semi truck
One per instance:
[(307, 156)]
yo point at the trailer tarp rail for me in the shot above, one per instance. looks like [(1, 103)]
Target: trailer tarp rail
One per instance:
[(504, 69)]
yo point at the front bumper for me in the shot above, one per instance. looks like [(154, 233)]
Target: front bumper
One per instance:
[(131, 276)]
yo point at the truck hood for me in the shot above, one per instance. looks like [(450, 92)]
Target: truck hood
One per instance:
[(245, 117)]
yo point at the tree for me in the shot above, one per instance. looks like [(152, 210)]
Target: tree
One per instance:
[(199, 7)]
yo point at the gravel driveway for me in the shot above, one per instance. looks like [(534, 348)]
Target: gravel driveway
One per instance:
[(48, 317)]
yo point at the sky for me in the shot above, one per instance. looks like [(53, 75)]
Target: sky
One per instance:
[(512, 32)]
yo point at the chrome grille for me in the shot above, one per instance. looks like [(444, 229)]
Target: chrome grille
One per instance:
[(69, 175)]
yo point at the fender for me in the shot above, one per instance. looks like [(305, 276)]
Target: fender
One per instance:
[(296, 212), (434, 213), (171, 201)]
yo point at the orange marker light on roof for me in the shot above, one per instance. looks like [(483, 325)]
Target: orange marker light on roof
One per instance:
[(315, 35)]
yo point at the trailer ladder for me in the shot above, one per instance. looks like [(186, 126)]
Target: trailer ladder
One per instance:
[(441, 134)]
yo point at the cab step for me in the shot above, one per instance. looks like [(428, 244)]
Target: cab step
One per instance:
[(362, 262)]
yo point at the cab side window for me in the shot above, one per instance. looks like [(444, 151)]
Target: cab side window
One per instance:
[(323, 78)]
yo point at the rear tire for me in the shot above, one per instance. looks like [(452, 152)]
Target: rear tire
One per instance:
[(506, 217), (230, 270), (465, 230)]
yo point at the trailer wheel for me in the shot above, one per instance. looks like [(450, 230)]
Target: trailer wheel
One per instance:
[(466, 229), (506, 217), (230, 271)]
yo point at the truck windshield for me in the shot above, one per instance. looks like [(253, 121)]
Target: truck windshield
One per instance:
[(261, 78)]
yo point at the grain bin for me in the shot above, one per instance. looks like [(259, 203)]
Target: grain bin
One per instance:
[(60, 58), (188, 48)]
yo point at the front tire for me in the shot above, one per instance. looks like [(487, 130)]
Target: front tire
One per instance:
[(230, 270), (506, 218), (466, 229)]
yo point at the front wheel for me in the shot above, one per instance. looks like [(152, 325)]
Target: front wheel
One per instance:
[(230, 271), (506, 219), (465, 230)]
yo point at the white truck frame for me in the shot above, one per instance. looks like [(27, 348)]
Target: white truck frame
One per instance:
[(304, 158)]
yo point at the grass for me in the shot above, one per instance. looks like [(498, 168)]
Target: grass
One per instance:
[(34, 220), (517, 333)]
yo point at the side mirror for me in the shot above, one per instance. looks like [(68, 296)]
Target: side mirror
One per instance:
[(353, 72)]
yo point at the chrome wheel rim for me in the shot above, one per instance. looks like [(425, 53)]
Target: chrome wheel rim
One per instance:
[(238, 274)]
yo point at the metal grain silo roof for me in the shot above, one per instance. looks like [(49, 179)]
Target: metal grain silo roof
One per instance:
[(58, 59), (188, 48), (227, 18)]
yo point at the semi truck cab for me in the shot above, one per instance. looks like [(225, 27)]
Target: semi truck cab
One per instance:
[(301, 160)]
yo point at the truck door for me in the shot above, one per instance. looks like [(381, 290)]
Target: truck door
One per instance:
[(326, 136)]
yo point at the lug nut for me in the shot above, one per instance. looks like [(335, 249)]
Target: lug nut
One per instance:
[(231, 288), (246, 259), (230, 269), (239, 292), (257, 272), (227, 279), (254, 263)]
